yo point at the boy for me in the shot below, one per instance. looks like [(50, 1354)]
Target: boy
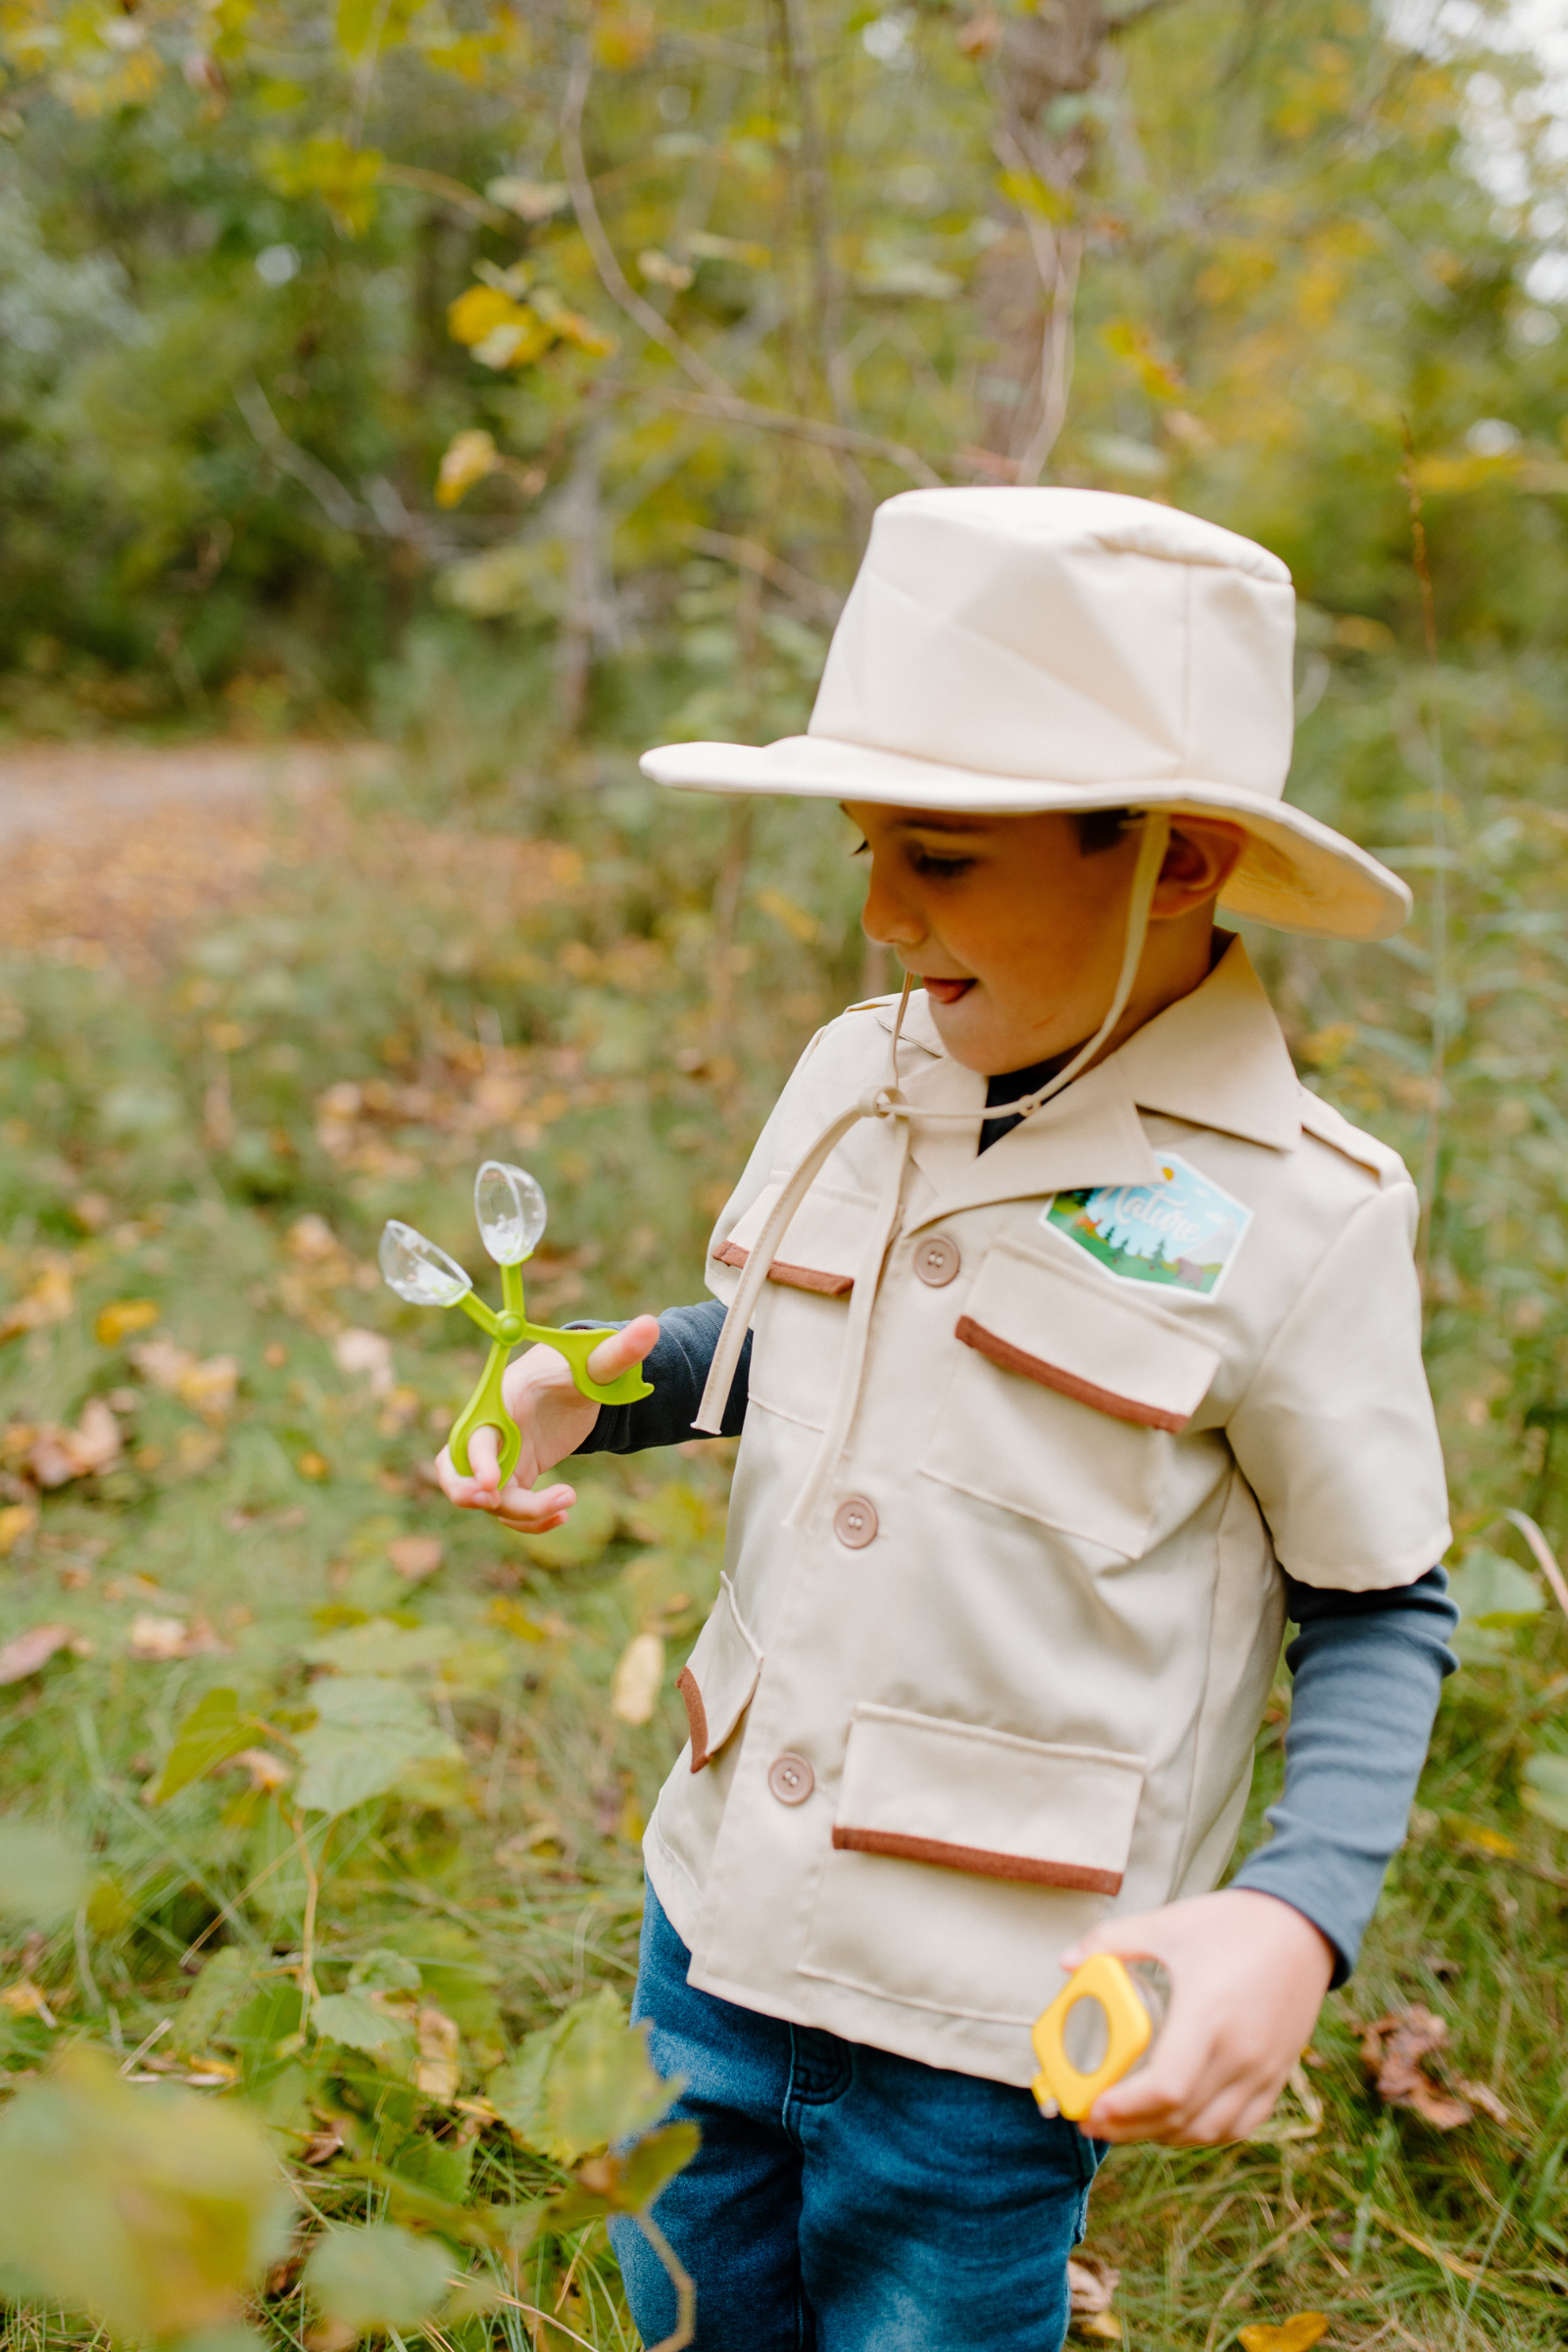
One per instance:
[(1085, 1347)]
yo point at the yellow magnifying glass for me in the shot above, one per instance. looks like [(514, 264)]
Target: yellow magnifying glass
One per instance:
[(1099, 2029)]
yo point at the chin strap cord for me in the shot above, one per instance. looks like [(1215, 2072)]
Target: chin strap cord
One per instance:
[(887, 1103)]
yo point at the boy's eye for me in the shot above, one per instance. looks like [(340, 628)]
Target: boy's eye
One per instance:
[(939, 869)]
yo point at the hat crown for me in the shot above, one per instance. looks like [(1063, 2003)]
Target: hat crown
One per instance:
[(1072, 635)]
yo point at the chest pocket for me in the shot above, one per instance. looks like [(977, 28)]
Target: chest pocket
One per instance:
[(800, 1315), (1065, 1397)]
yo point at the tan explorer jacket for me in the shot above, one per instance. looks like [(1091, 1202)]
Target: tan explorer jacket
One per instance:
[(1028, 1433)]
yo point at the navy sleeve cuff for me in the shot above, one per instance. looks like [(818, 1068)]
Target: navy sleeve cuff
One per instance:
[(677, 1365)]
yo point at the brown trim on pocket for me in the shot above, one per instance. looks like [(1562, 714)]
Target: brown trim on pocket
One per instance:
[(793, 1278), (979, 1861), (696, 1716), (1066, 1384)]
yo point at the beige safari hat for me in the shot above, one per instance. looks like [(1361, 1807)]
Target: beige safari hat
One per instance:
[(1015, 650)]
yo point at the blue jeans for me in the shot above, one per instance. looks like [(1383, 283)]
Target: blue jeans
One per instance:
[(846, 2200)]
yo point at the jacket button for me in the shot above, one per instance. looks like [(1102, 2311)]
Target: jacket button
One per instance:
[(854, 1521), (791, 1778), (937, 1260)]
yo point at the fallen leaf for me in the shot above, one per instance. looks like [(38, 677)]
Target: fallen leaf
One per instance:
[(17, 1520), (266, 1771), (1479, 2095), (1392, 2051), (48, 1302), (1092, 2282), (1297, 2334), (415, 1556), (27, 1653), (208, 1388), (25, 1999), (314, 1465), (161, 1362), (158, 1640), (120, 1318), (312, 1240), (437, 2072), (320, 2149), (369, 1353), (639, 1672), (58, 1455)]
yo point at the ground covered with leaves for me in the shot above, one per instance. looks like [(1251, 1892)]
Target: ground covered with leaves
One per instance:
[(341, 1792)]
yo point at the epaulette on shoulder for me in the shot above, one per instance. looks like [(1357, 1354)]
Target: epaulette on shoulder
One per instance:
[(1333, 1128)]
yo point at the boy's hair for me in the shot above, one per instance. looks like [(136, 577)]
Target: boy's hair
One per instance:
[(1100, 828)]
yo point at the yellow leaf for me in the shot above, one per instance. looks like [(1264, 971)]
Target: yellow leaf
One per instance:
[(1297, 2334), (634, 1688), (1134, 344), (572, 327), (789, 916), (623, 37), (123, 1316), (18, 1519), (25, 1999), (314, 1465), (437, 2070), (48, 1302), (469, 458), (477, 312)]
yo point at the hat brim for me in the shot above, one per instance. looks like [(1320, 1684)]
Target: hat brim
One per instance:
[(1296, 872)]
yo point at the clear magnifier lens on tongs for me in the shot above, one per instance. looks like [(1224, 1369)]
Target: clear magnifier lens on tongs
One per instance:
[(511, 1210), (418, 1270)]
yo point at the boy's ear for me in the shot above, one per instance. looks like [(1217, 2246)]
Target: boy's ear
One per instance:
[(1202, 856)]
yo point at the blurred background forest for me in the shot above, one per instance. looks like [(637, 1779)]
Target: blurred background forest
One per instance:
[(472, 394)]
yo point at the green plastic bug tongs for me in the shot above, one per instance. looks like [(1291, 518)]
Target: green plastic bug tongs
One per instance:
[(509, 1209)]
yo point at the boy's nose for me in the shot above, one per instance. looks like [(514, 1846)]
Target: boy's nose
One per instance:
[(889, 919)]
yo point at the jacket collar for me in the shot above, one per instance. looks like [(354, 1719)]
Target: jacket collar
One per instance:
[(1215, 1058)]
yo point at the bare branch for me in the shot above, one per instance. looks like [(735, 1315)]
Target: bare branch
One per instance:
[(731, 409), (1134, 15), (1057, 358), (826, 602), (337, 502), (450, 191), (383, 514), (615, 279)]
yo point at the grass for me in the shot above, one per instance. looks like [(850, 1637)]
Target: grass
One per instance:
[(209, 1121)]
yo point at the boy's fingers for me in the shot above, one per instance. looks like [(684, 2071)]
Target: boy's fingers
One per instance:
[(623, 1349), (535, 1514), (484, 1459)]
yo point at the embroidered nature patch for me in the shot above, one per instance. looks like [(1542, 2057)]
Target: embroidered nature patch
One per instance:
[(1181, 1231)]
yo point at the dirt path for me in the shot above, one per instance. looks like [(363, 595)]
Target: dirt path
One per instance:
[(110, 851)]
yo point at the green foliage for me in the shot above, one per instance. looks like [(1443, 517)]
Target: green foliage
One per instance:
[(336, 378), (154, 2216), (378, 2277), (584, 2081), (214, 1730), (43, 1874), (367, 1731)]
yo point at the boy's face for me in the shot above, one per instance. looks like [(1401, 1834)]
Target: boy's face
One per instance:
[(1018, 934)]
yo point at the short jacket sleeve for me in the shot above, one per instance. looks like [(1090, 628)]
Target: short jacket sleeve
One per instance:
[(1335, 1433)]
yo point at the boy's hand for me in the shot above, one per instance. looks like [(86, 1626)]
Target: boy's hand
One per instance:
[(554, 1419), (1248, 1974)]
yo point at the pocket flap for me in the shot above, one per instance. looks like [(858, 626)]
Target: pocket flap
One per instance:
[(719, 1676), (988, 1802), (823, 1242), (1070, 1331)]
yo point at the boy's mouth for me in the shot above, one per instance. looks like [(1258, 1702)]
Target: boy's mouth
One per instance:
[(945, 992)]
